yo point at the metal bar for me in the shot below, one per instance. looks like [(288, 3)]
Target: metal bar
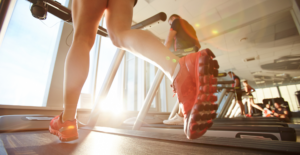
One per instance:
[(225, 82), (225, 88), (296, 21), (220, 98), (3, 10), (150, 21), (125, 83), (5, 16), (237, 110), (97, 63), (220, 103), (65, 14), (135, 101), (279, 91), (115, 63), (149, 98), (230, 102), (231, 107), (175, 109), (223, 111)]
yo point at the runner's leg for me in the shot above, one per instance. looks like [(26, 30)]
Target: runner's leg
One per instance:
[(141, 43), (86, 18), (249, 106), (255, 105)]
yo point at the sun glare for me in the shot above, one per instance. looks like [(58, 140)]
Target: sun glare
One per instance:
[(114, 107), (215, 32)]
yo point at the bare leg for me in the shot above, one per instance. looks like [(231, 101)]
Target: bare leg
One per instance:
[(242, 107), (254, 105), (282, 116), (249, 107), (86, 18), (141, 43)]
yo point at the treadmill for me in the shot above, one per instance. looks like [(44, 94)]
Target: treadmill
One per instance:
[(101, 140), (27, 134), (263, 128)]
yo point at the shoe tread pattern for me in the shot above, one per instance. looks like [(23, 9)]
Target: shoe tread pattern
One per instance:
[(204, 109)]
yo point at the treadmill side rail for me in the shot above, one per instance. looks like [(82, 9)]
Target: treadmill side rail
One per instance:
[(12, 123)]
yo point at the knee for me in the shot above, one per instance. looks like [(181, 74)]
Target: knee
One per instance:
[(117, 38), (86, 39)]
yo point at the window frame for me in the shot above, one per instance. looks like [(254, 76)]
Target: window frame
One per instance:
[(7, 19)]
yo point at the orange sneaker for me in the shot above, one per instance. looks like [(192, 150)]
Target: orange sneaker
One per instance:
[(194, 87), (66, 131)]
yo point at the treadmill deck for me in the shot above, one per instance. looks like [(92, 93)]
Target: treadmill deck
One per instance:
[(102, 141)]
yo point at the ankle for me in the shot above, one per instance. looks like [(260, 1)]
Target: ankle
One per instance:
[(66, 118)]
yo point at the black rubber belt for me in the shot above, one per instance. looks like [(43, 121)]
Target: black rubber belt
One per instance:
[(278, 146)]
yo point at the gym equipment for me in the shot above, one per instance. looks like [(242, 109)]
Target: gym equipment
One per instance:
[(64, 14), (225, 82), (117, 141), (3, 10), (222, 74), (33, 122), (120, 141), (233, 127), (297, 94)]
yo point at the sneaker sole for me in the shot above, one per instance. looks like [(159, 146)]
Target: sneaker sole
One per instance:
[(199, 119), (61, 136)]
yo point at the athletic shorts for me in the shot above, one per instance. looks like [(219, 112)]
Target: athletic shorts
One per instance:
[(238, 96), (250, 95)]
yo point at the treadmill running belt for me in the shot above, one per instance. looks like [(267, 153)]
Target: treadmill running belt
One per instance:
[(90, 142)]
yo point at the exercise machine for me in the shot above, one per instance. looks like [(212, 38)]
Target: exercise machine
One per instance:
[(95, 140)]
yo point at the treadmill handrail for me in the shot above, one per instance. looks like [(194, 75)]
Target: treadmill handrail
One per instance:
[(220, 88), (226, 82), (65, 14)]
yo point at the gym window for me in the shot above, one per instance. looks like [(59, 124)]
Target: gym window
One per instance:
[(27, 55)]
